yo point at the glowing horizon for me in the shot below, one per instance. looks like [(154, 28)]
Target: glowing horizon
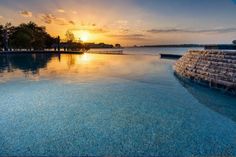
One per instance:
[(132, 22)]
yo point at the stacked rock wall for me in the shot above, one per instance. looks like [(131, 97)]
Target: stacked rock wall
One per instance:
[(214, 68)]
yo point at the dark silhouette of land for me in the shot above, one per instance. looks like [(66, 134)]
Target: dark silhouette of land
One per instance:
[(25, 37), (206, 46), (29, 37), (175, 45)]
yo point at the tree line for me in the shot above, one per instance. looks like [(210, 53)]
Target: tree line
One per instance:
[(30, 36)]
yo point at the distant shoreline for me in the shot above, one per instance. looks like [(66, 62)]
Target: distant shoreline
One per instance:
[(176, 45), (205, 46)]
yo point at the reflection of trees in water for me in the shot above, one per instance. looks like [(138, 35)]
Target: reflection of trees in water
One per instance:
[(25, 62), (71, 60), (4, 64), (215, 100)]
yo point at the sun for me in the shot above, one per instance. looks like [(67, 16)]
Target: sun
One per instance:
[(84, 36)]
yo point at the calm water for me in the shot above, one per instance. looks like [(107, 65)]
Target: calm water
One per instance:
[(151, 51), (109, 105)]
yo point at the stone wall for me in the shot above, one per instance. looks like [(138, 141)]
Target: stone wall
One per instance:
[(214, 68)]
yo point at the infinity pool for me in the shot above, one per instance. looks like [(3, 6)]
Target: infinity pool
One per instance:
[(116, 105)]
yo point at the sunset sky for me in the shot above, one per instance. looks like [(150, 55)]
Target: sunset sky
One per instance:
[(129, 22)]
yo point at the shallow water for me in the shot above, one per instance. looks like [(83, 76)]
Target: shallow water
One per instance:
[(109, 105)]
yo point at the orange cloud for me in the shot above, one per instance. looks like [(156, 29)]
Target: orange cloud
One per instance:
[(50, 18), (128, 36), (61, 10), (71, 22), (47, 18), (91, 30), (25, 13)]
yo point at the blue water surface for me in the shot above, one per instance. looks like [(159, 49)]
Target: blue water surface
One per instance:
[(116, 105)]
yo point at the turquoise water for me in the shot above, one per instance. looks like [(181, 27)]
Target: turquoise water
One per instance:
[(124, 105)]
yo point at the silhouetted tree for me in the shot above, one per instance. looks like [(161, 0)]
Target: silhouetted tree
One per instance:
[(30, 36), (49, 41), (117, 46), (7, 31), (70, 37), (1, 37), (234, 42), (71, 44), (21, 40)]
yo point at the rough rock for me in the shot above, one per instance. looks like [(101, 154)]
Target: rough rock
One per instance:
[(213, 68)]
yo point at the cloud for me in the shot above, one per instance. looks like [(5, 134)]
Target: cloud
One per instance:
[(92, 30), (25, 13), (47, 18), (98, 30), (60, 21), (128, 36), (50, 18), (124, 30), (121, 24), (174, 30), (61, 10), (71, 22)]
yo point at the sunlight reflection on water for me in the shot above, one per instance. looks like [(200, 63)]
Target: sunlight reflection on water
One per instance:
[(117, 105), (79, 67)]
